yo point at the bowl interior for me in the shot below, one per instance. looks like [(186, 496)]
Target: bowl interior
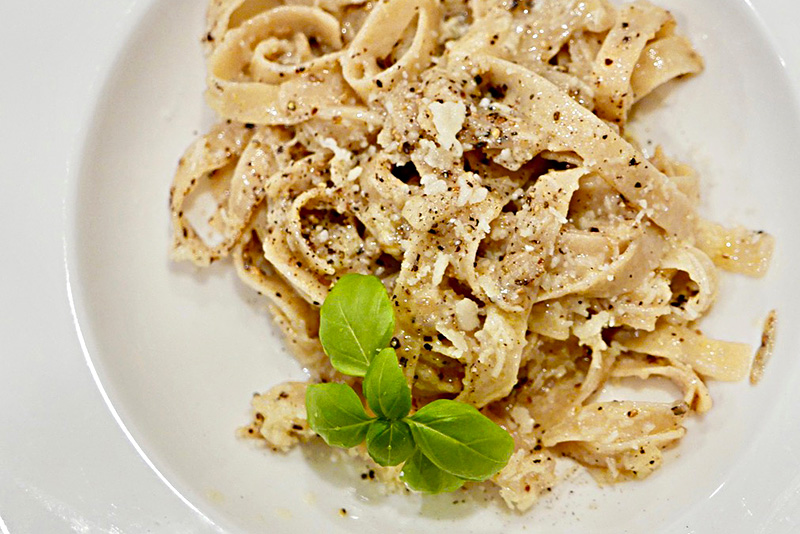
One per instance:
[(179, 350)]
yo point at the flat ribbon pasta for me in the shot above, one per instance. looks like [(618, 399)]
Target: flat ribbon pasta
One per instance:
[(269, 71), (472, 155), (198, 192), (382, 53)]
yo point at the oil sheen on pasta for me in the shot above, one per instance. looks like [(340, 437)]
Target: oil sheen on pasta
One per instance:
[(471, 154)]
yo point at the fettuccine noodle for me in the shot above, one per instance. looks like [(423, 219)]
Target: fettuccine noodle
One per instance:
[(472, 155)]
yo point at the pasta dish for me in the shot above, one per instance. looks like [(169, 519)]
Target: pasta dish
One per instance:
[(473, 155)]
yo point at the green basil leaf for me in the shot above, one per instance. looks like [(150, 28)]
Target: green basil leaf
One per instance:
[(389, 442), (386, 388), (461, 440), (356, 321), (420, 474), (335, 412)]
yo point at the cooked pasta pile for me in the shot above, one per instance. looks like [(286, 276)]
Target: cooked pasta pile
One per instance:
[(471, 154)]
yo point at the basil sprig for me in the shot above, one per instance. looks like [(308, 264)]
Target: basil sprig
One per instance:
[(441, 446)]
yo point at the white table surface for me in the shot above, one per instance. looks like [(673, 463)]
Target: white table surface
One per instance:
[(65, 464)]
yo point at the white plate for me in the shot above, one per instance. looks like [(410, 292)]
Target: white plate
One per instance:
[(94, 121)]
